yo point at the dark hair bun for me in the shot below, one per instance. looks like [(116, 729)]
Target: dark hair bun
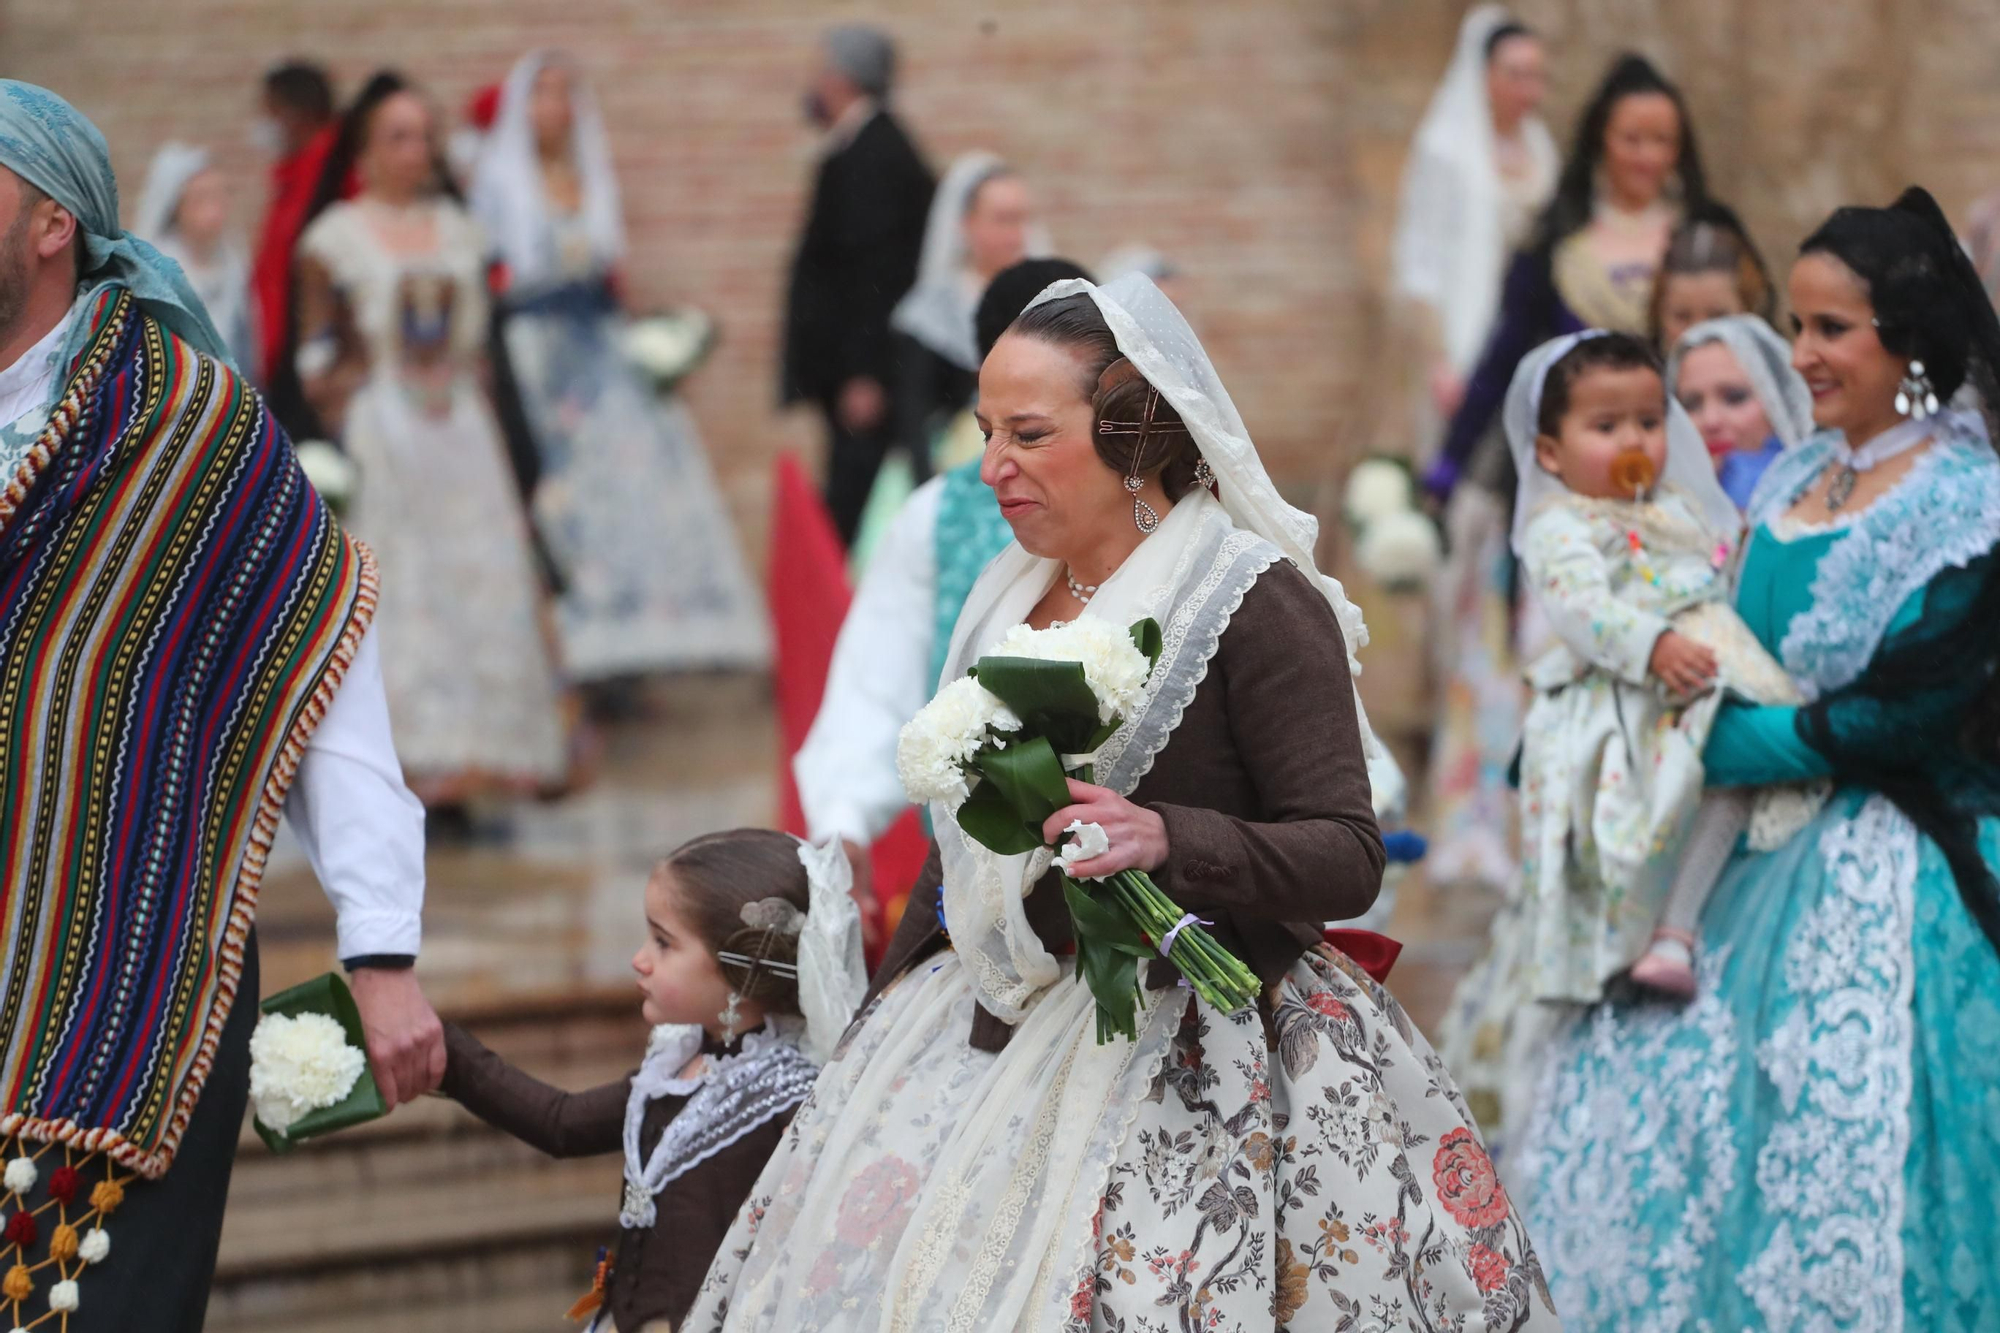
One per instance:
[(1145, 427), (1929, 304)]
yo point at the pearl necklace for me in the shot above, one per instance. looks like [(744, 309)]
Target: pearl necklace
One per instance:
[(1083, 592)]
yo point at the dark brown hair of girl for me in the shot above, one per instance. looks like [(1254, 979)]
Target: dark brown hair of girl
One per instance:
[(714, 877), (1119, 395), (1712, 240)]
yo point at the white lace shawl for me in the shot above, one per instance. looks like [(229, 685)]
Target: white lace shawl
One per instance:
[(1943, 514), (732, 1095)]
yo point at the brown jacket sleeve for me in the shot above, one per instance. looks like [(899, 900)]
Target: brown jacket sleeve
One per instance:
[(1317, 853), (561, 1124)]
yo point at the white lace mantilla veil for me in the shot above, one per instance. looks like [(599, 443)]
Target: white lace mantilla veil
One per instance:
[(507, 195), (1449, 251), (939, 309), (1766, 359), (173, 166), (832, 975), (1689, 469)]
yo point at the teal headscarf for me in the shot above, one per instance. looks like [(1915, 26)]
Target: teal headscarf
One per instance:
[(54, 147)]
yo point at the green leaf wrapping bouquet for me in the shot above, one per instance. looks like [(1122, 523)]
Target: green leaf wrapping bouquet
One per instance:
[(998, 746), (308, 1065)]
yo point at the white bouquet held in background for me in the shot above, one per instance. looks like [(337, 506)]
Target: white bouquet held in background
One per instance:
[(997, 749), (1394, 541)]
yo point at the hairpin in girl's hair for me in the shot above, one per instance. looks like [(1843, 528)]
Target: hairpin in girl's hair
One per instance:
[(770, 965)]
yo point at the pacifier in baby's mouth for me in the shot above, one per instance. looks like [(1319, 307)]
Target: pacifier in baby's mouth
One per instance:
[(1632, 473)]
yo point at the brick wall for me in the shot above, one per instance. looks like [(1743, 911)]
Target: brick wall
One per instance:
[(1259, 144)]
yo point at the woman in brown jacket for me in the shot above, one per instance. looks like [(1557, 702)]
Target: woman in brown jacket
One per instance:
[(972, 1157), (750, 969)]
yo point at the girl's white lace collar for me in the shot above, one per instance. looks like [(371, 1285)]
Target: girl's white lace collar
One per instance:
[(728, 1097)]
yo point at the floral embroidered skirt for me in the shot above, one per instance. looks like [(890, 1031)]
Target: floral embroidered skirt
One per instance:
[(1314, 1170)]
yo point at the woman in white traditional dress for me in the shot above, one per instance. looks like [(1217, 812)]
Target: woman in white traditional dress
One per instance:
[(392, 322), (1481, 169), (652, 576), (972, 1158), (981, 222), (184, 212)]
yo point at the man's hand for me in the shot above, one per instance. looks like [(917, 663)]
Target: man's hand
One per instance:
[(862, 405), (405, 1039)]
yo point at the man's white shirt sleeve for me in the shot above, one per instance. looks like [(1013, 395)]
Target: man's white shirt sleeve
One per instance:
[(361, 827), (880, 676)]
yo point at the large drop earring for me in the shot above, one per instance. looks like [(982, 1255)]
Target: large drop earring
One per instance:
[(1916, 396), (1144, 516), (731, 1016)]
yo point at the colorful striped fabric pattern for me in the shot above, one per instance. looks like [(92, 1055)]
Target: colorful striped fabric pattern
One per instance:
[(177, 607)]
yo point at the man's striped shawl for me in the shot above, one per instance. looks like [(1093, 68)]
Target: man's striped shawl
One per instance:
[(177, 607)]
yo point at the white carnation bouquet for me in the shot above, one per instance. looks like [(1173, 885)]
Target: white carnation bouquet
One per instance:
[(995, 748), (1393, 540), (308, 1070), (669, 346)]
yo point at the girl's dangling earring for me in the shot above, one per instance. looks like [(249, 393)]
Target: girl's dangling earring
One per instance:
[(731, 1015)]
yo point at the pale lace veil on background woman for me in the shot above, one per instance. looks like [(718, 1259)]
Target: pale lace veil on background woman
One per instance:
[(507, 194), (1450, 250), (222, 280), (1766, 361), (938, 310)]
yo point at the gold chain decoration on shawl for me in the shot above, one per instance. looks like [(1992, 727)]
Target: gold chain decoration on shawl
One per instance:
[(69, 1242)]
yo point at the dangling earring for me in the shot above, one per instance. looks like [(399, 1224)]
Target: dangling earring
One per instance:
[(730, 1016), (1915, 396), (1144, 517), (1204, 475)]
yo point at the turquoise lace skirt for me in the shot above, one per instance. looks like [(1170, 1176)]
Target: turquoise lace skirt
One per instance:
[(1814, 1142)]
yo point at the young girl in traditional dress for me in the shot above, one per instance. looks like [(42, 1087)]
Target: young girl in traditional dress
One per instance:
[(750, 970), (1627, 539)]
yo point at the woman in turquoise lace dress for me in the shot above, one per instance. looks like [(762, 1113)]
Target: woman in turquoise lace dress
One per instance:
[(1814, 1141)]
